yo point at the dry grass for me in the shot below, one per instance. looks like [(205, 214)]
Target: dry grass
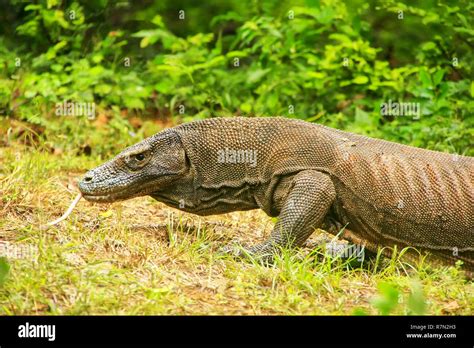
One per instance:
[(141, 257)]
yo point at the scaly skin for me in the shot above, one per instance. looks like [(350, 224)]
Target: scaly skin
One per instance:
[(309, 175)]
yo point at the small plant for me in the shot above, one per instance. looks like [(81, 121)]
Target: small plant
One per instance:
[(4, 270), (389, 299)]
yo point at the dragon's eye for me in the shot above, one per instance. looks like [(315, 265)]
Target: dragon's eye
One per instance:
[(140, 157)]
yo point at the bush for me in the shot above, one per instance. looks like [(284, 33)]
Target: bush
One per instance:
[(322, 61)]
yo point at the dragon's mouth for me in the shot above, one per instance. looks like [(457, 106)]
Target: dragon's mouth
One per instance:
[(111, 196), (102, 198)]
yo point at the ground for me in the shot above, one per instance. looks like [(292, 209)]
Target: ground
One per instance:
[(142, 257)]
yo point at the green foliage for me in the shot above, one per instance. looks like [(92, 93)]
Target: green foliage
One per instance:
[(389, 298), (416, 300), (324, 61), (4, 270)]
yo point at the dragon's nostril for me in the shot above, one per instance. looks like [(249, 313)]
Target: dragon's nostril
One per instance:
[(88, 178)]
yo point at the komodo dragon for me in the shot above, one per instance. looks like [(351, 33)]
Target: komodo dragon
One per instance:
[(308, 175)]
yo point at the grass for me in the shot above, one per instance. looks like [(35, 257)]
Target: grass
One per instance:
[(141, 257)]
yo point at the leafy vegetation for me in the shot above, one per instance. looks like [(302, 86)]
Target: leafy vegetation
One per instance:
[(148, 65), (323, 61)]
